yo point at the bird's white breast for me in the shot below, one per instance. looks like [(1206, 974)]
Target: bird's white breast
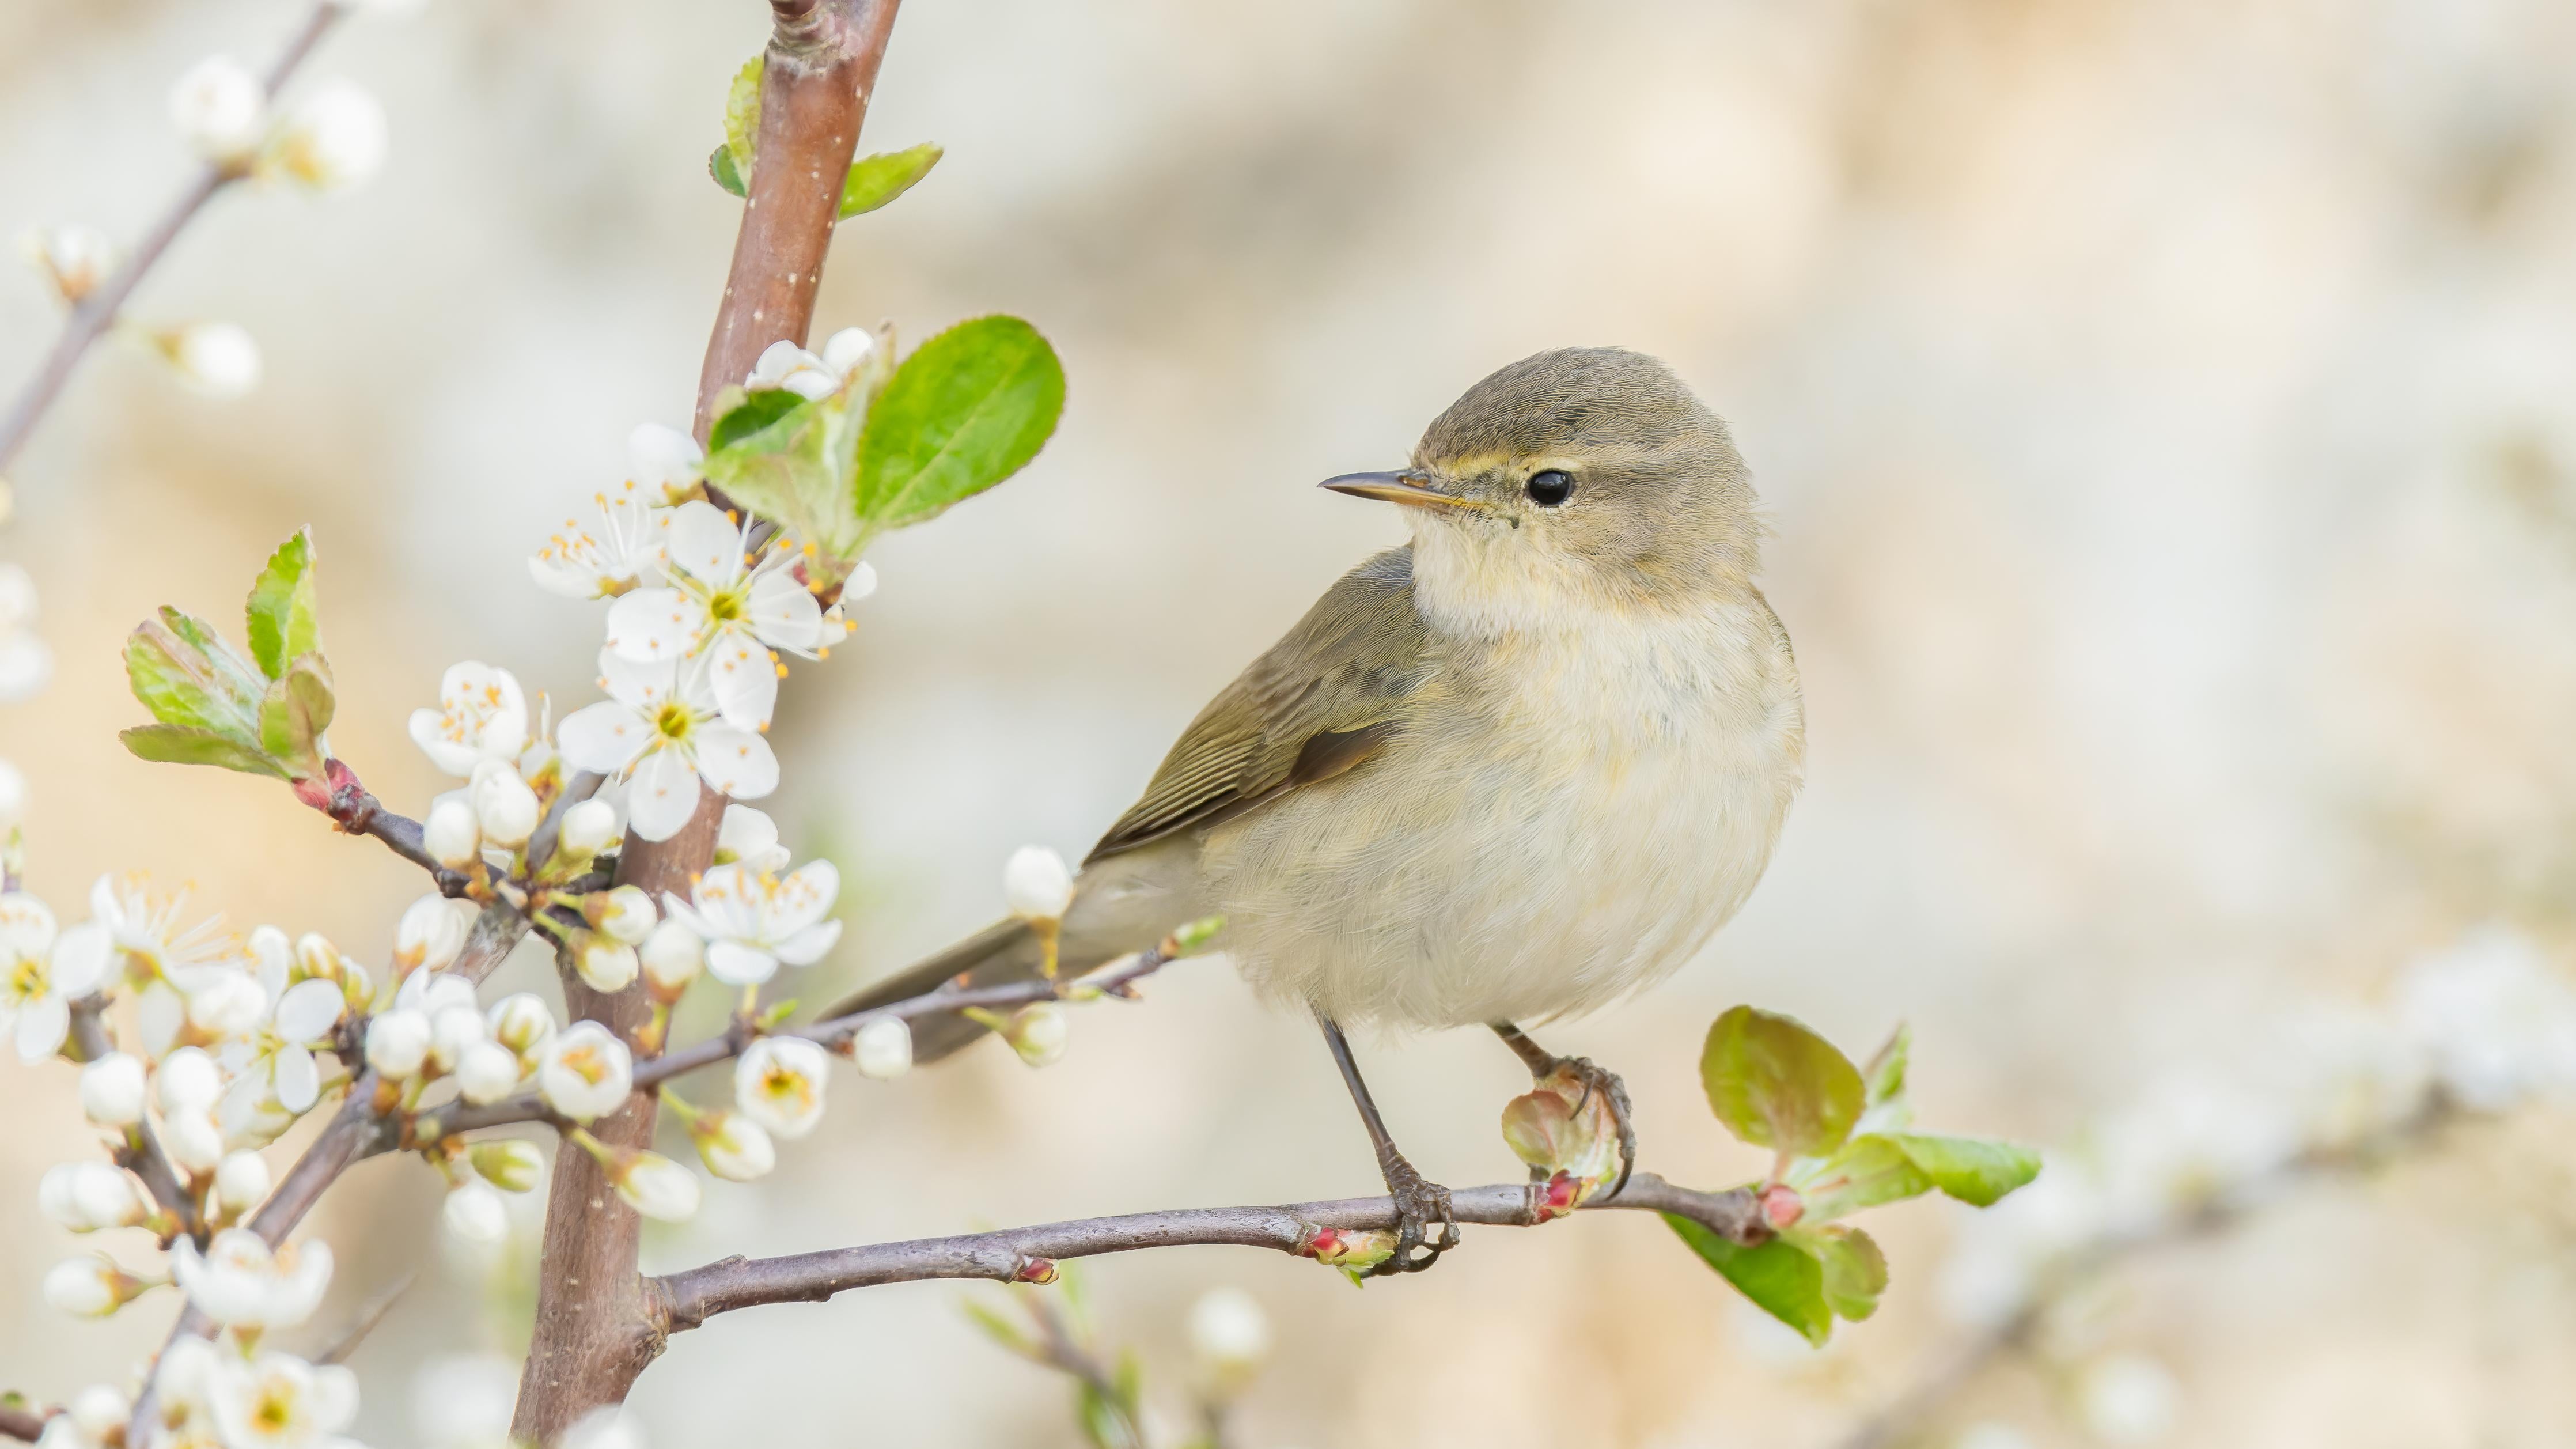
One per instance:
[(1568, 817)]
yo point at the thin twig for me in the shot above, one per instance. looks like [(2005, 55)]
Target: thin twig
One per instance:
[(92, 315), (1021, 1254), (346, 1343)]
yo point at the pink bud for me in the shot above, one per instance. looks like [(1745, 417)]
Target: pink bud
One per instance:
[(1781, 1205)]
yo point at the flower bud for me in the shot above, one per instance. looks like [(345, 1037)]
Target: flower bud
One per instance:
[(672, 958), (90, 1287), (487, 1072), (56, 1199), (398, 1042), (733, 1146), (432, 933), (193, 1139), (1230, 1334), (655, 1186), (100, 1412), (749, 838), (188, 1081), (521, 1022), (242, 1181), (626, 913), (507, 1163), (883, 1048), (585, 1072), (778, 1082), (228, 1004), (334, 139), (475, 1213), (73, 257), (605, 965), (218, 359), (219, 108), (112, 1090), (504, 806), (588, 828), (1036, 884), (274, 953), (1037, 1032), (89, 1197), (453, 1031), (451, 836)]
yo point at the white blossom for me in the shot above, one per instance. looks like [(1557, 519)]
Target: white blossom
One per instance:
[(26, 660), (334, 138), (665, 461), (604, 963), (169, 958), (100, 1411), (722, 605), (90, 1287), (1038, 1032), (451, 835), (463, 1401), (2494, 1023), (505, 809), (1229, 1333), (661, 730), (1036, 884), (605, 559), (239, 1282), (672, 957), (521, 1022), (455, 1030), (13, 795), (2129, 1399), (89, 1197), (585, 1072), (398, 1042), (278, 1401), (112, 1090), (432, 933), (733, 1146), (242, 1181), (778, 1083), (624, 913), (656, 1186), (42, 972), (754, 920), (219, 108), (883, 1048), (188, 1081), (193, 1139), (75, 258), (487, 1072), (748, 837), (607, 1428), (481, 715), (588, 828), (475, 1213), (507, 1163), (218, 359), (783, 364), (227, 1004)]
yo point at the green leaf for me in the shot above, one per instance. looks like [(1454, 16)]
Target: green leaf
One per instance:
[(1776, 1084), (878, 179), (1869, 1170), (756, 411), (720, 166), (1003, 1331), (284, 623), (179, 745), (190, 685), (794, 469), (295, 712), (966, 410), (1886, 1070), (1780, 1278), (1854, 1270), (1975, 1170), (742, 117)]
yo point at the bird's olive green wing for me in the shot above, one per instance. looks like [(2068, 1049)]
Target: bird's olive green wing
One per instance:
[(1320, 702)]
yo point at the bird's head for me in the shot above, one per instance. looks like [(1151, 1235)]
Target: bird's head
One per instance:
[(1587, 479)]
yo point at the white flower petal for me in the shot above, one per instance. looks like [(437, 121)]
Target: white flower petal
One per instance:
[(736, 762), (705, 542), (299, 1082), (42, 1025), (664, 794), (309, 1010), (807, 946), (744, 680), (738, 964), (603, 738), (650, 625), (783, 612)]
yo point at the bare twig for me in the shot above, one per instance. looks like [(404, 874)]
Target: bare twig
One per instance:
[(141, 1152), (22, 1423), (92, 315), (348, 1339), (690, 1298)]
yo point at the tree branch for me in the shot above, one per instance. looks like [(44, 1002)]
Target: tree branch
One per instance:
[(690, 1298), (92, 315)]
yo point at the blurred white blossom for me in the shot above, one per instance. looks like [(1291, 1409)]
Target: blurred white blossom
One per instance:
[(463, 1401), (606, 559), (883, 1048), (475, 1212), (278, 1401), (219, 108), (585, 1072), (1036, 884), (26, 661), (746, 836), (663, 461), (73, 257), (332, 139), (218, 359), (753, 920), (2495, 1022), (42, 972), (778, 1083), (2129, 1399), (112, 1090), (238, 1282)]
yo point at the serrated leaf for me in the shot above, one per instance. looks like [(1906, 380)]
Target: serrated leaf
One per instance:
[(720, 166), (795, 468), (1975, 1170), (284, 620), (742, 116), (295, 712), (179, 745), (1885, 1073), (190, 686), (756, 411), (1776, 1084), (1780, 1278), (966, 410), (1869, 1170), (1854, 1270), (875, 180)]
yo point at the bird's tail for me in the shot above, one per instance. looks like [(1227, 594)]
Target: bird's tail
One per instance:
[(998, 955)]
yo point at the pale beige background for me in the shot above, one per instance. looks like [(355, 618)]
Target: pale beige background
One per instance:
[(2164, 406)]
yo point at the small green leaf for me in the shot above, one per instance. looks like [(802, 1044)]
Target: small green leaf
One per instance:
[(295, 712), (876, 180), (1780, 1278), (966, 410), (284, 623), (756, 411), (1886, 1070), (1776, 1084), (1003, 1331), (190, 686), (794, 469), (1869, 1170), (1855, 1271), (179, 745), (1975, 1170), (742, 116), (778, 1013), (720, 166)]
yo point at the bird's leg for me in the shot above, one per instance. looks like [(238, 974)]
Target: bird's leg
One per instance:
[(1543, 1064), (1419, 1202)]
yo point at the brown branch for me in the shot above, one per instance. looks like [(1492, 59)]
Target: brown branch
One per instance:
[(690, 1298), (92, 315), (594, 1332), (18, 1423)]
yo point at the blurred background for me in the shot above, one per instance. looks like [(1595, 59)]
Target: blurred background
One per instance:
[(2165, 410)]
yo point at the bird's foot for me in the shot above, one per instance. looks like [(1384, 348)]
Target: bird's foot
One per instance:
[(1599, 1081), (1420, 1206)]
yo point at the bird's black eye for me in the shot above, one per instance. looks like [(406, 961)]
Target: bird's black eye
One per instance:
[(1550, 488)]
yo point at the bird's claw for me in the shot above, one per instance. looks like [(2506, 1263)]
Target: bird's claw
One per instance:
[(1614, 1092), (1419, 1204)]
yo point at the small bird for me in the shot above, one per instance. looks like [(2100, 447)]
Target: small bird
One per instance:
[(1514, 771)]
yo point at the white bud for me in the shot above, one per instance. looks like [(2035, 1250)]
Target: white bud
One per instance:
[(604, 965), (588, 829), (451, 836), (673, 957), (56, 1200), (748, 837), (733, 1146), (334, 139), (100, 1411), (187, 1372), (194, 1139), (218, 359), (242, 1181), (883, 1048), (657, 1187), (219, 108), (521, 1022), (475, 1212), (778, 1082), (1038, 1033), (1036, 884), (2129, 1399), (112, 1090), (603, 1429), (504, 806), (89, 1287), (88, 1197), (398, 1042), (432, 933), (454, 1031), (585, 1072), (625, 913), (487, 1072), (1230, 1333), (229, 1004), (73, 257), (507, 1163), (188, 1081)]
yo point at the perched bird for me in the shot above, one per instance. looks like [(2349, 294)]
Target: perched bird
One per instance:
[(1514, 771)]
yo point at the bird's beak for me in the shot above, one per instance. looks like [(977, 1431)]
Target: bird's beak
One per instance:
[(1408, 488)]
